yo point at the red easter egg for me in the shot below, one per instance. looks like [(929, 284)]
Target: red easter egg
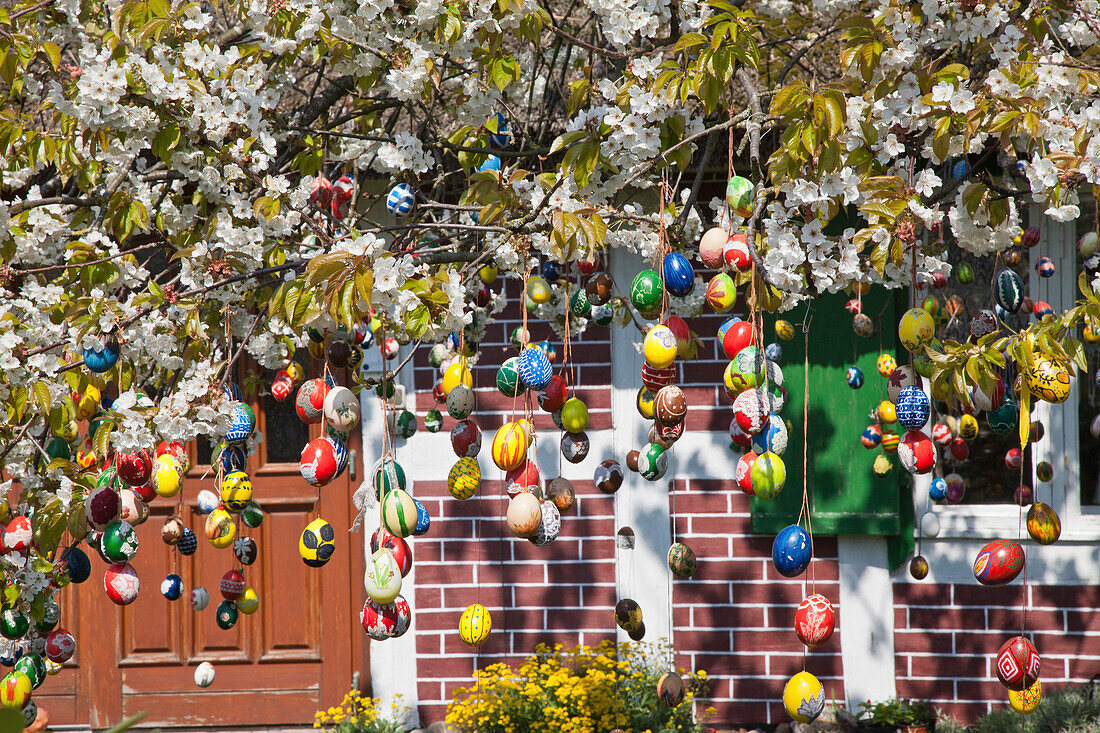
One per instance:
[(750, 410), (60, 646), (1018, 663), (379, 619), (739, 437), (960, 451), (146, 492), (438, 394), (668, 434), (175, 448), (1014, 458), (310, 402), (653, 379), (587, 266), (521, 477), (281, 389), (680, 330), (466, 438), (939, 280), (134, 467), (18, 535), (736, 252), (402, 551), (814, 620), (854, 306), (404, 615), (553, 395), (102, 506), (322, 460), (916, 452), (941, 434), (232, 585), (999, 562), (121, 583), (738, 336), (743, 473)]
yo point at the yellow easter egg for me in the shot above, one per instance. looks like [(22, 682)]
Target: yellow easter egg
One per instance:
[(509, 446), (784, 330), (646, 402), (968, 427), (167, 475), (1047, 380), (295, 371), (236, 490), (916, 329), (886, 364), (221, 530), (488, 274), (887, 413), (248, 602), (88, 403), (464, 478), (574, 415), (659, 347), (474, 625), (1025, 701), (804, 697), (538, 290), (15, 690), (456, 374)]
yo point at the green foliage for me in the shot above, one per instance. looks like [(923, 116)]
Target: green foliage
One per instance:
[(358, 714), (898, 711), (1072, 709)]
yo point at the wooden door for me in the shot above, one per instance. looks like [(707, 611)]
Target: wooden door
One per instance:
[(296, 654)]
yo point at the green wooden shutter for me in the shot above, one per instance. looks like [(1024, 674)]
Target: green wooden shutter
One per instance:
[(845, 496)]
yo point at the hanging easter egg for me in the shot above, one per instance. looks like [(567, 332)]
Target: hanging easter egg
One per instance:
[(379, 620), (1043, 523), (774, 352), (751, 410), (1088, 244), (1004, 418), (803, 697), (200, 598), (942, 435), (898, 379), (318, 541), (242, 423), (1047, 380), (399, 513), (464, 478), (646, 291), (854, 377), (743, 472), (102, 506), (603, 315), (508, 380), (917, 453), (773, 438), (659, 347), (740, 196), (34, 666), (937, 489), (998, 562), (628, 615), (652, 462), (1040, 308), (1030, 236), (1025, 701), (341, 409), (549, 527), (913, 408), (433, 420), (524, 515), (401, 200), (964, 273), (1014, 458), (1044, 471), (121, 583), (791, 549), (872, 437), (918, 567), (710, 247), (956, 487), (886, 364), (768, 475), (245, 550), (133, 509), (915, 329), (204, 674), (552, 397), (534, 368), (13, 624), (119, 543), (679, 276), (220, 528), (739, 335), (236, 490), (310, 400), (466, 438), (862, 325), (681, 560), (509, 446), (574, 415), (102, 360), (188, 543), (461, 401), (134, 467), (670, 689), (1008, 290), (231, 585), (1023, 495), (670, 406), (474, 625), (599, 288), (208, 501), (968, 428), (1018, 663), (323, 459), (15, 690), (382, 578), (608, 476), (60, 646), (226, 615), (815, 620), (721, 293)]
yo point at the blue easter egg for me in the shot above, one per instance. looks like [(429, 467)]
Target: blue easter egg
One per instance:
[(100, 360), (534, 368), (872, 436), (233, 458), (937, 491), (171, 587), (503, 135), (791, 551), (1045, 267), (77, 564), (774, 352), (773, 438), (492, 163), (242, 423), (401, 200), (452, 341), (854, 377), (679, 274), (208, 501), (960, 169), (232, 391), (551, 271), (188, 542), (913, 407), (423, 521)]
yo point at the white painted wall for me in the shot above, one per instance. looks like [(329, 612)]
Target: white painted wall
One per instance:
[(866, 619)]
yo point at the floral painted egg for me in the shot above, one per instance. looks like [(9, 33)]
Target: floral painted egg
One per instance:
[(464, 478), (1018, 663), (341, 409), (134, 467), (310, 401), (768, 475), (603, 315), (60, 646), (659, 347), (102, 506), (886, 364), (1008, 290), (208, 501), (743, 472), (121, 583), (917, 452), (815, 620), (252, 515), (652, 462), (803, 697), (916, 329), (774, 352), (608, 476), (937, 489), (236, 490), (509, 447), (317, 543), (461, 401), (382, 578), (188, 542), (862, 325), (1025, 701), (721, 293), (119, 543), (323, 459), (1043, 523), (628, 614), (552, 397), (918, 567), (474, 625), (710, 247), (1047, 380), (679, 275), (791, 550), (646, 291), (901, 377), (524, 515), (401, 550), (399, 513), (737, 336), (466, 438), (751, 410), (773, 438), (560, 490), (681, 560), (226, 615), (854, 377), (999, 562), (379, 620), (508, 380), (433, 420), (549, 527), (220, 528), (13, 624), (242, 423), (739, 437), (534, 368), (942, 435), (231, 585), (245, 550)]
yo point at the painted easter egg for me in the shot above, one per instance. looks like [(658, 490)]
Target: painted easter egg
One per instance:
[(1025, 701), (15, 690), (13, 624), (1008, 290), (743, 472), (937, 489), (310, 400), (134, 467), (508, 380), (998, 562), (918, 567), (1047, 380), (739, 335), (1043, 523), (1004, 418), (871, 437), (220, 528), (399, 513), (721, 293), (1018, 663), (913, 408), (119, 543), (608, 476), (1045, 267), (317, 542), (188, 543), (382, 578), (560, 491), (466, 438), (323, 459), (815, 620), (474, 625), (773, 438), (102, 360), (341, 410), (791, 550), (854, 377), (534, 368), (659, 347), (231, 584), (956, 487), (711, 245), (886, 364), (646, 291), (226, 615), (740, 196), (917, 452), (134, 510), (679, 276), (464, 478), (401, 200), (915, 329), (1044, 471), (670, 406), (524, 477), (654, 379), (204, 674), (549, 527), (670, 689), (242, 423), (628, 614), (524, 515), (552, 397), (652, 462), (751, 410), (574, 415), (509, 447), (379, 620), (803, 697), (245, 550), (252, 515), (102, 506), (862, 325), (681, 560), (768, 475), (200, 598), (599, 288), (121, 583), (236, 490), (207, 501), (60, 646)]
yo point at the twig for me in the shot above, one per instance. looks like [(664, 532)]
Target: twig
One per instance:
[(752, 127)]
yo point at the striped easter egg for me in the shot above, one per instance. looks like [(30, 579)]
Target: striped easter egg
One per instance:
[(509, 446), (1008, 289), (399, 513), (401, 200), (464, 478), (678, 273)]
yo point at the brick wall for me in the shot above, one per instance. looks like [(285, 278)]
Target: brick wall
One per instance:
[(946, 639)]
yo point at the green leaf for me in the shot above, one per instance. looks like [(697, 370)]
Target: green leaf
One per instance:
[(53, 53), (166, 141)]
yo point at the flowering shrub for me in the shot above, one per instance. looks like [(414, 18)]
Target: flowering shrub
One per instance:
[(579, 690), (358, 714)]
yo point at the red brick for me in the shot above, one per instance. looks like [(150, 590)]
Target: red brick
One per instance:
[(715, 484), (568, 619), (1009, 618), (978, 690), (428, 643), (427, 597), (948, 665), (745, 712), (727, 617), (964, 712), (713, 641), (941, 688), (946, 618), (453, 667), (430, 713), (1070, 596), (927, 642), (767, 593), (778, 640), (913, 594), (522, 618), (697, 502), (977, 595), (1069, 644), (729, 569), (720, 663), (459, 597), (1078, 669), (427, 551), (900, 618), (1082, 621), (444, 574), (545, 596)]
